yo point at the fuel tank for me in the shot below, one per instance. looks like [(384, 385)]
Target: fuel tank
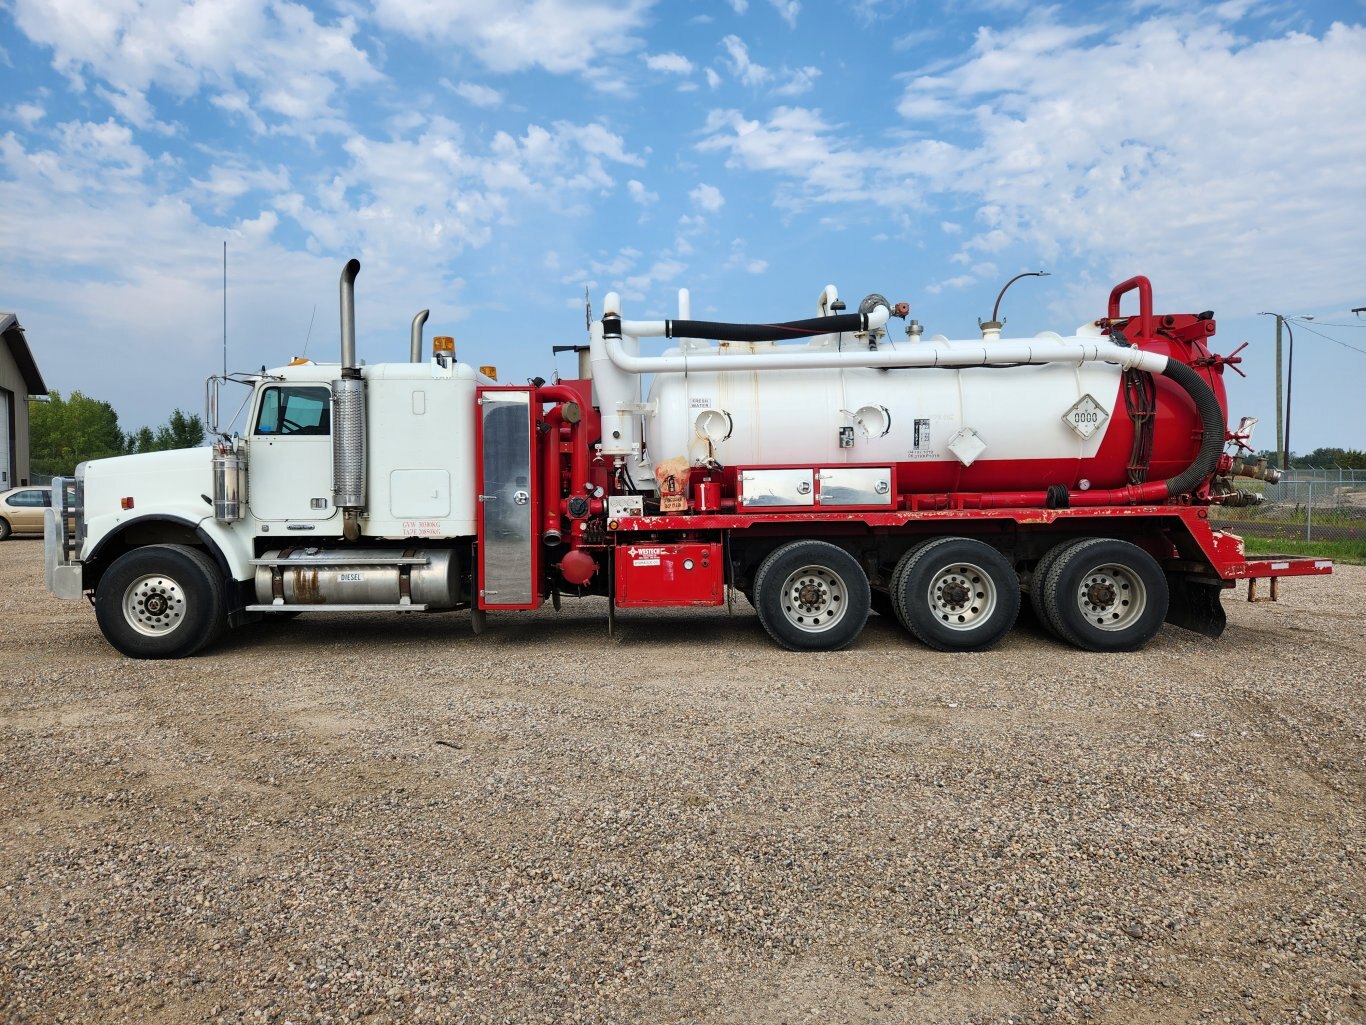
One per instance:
[(360, 576)]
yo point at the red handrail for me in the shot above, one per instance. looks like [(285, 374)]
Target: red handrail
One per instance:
[(1145, 302)]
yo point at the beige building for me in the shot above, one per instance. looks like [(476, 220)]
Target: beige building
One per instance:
[(19, 378)]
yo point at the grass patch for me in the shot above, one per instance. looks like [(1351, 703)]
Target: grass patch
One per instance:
[(1353, 552)]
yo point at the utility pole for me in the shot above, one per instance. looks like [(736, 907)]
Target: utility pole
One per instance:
[(1282, 426)]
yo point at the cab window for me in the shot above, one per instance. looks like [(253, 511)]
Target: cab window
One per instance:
[(294, 410)]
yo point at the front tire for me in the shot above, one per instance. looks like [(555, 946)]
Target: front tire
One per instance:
[(161, 601), (5, 529), (812, 596), (957, 594), (1106, 595)]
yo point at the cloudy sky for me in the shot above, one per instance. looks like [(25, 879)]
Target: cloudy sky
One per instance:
[(491, 159)]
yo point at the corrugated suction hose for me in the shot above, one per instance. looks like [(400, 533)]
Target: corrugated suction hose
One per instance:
[(1212, 421)]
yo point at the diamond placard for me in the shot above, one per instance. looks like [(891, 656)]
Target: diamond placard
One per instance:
[(1086, 417)]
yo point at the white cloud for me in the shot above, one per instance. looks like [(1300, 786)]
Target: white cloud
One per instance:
[(713, 79), (640, 194), (1074, 143), (739, 6), (671, 63), (707, 198), (799, 81), (29, 114), (796, 143), (561, 36), (278, 47), (408, 206), (787, 10), (744, 69), (660, 271), (477, 95), (741, 260), (1086, 148)]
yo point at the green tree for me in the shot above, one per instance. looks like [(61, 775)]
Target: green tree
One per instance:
[(181, 431), (141, 440), (1345, 458), (64, 432)]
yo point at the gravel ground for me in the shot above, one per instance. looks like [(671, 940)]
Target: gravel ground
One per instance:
[(386, 819)]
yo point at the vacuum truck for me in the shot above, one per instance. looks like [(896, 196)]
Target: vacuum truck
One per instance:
[(823, 468)]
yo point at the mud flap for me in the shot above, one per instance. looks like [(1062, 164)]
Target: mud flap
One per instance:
[(1194, 605)]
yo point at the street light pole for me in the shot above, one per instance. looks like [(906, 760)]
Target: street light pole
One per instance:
[(995, 324), (1289, 384)]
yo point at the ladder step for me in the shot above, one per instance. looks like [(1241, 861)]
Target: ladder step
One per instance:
[(336, 608), (340, 559)]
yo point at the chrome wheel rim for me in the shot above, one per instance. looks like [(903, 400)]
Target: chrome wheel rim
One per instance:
[(1112, 597), (154, 605), (962, 596), (814, 598)]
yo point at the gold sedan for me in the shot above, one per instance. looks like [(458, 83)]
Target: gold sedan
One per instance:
[(21, 510)]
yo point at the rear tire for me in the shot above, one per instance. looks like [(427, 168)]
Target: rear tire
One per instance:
[(161, 601), (1106, 595), (1038, 584), (957, 594), (812, 596), (5, 529)]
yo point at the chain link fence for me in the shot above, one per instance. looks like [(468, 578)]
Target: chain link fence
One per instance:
[(1310, 504)]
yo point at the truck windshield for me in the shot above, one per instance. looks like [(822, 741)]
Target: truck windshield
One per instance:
[(295, 410)]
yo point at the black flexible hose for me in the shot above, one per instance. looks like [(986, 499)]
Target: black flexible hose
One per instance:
[(766, 332), (1212, 422)]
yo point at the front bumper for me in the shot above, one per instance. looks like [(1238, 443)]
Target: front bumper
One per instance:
[(63, 574)]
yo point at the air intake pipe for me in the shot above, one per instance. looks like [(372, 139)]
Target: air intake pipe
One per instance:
[(348, 416)]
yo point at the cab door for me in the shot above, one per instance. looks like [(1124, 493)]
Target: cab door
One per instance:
[(289, 467), (509, 558)]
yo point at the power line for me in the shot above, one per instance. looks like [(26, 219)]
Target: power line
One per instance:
[(1338, 341)]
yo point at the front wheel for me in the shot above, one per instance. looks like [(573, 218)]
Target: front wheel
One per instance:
[(1106, 595), (161, 601), (812, 596), (957, 594)]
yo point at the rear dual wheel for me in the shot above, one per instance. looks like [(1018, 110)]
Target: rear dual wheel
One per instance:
[(956, 594), (1101, 594)]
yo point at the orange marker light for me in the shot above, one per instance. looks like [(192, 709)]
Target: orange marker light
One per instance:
[(490, 372), (126, 503), (443, 345)]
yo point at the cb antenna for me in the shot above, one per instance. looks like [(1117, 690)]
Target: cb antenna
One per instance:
[(225, 307), (587, 311), (310, 329)]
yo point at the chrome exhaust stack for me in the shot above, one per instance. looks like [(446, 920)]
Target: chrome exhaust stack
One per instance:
[(415, 350), (348, 416)]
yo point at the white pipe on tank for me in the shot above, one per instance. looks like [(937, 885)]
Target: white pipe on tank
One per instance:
[(615, 388), (829, 294), (966, 353), (684, 305)]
